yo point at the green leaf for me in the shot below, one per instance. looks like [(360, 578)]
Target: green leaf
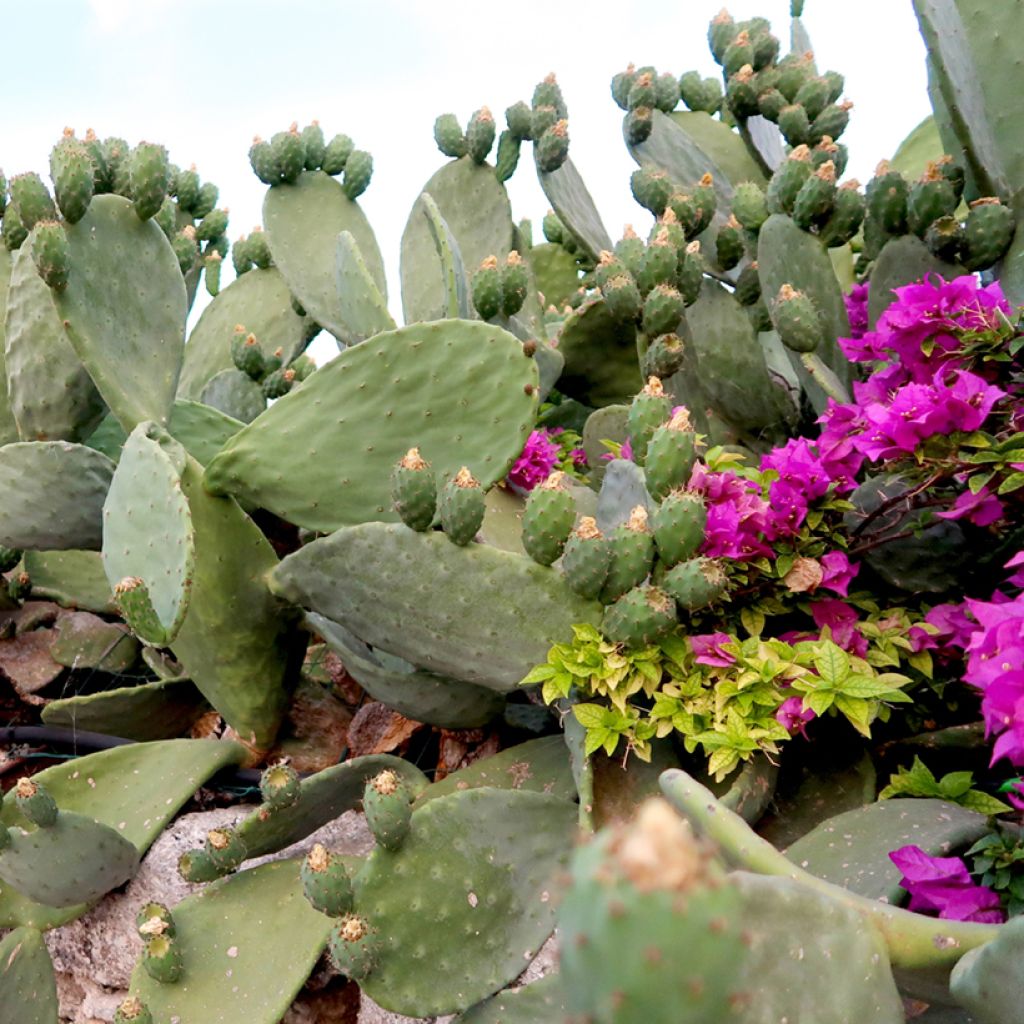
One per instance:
[(832, 663), (590, 716), (753, 621), (983, 803), (538, 674), (1012, 483)]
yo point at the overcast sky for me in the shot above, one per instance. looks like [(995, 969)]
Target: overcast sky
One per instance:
[(203, 77)]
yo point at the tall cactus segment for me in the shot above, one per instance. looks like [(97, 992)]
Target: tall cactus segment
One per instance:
[(322, 456), (52, 396), (457, 299), (364, 311), (303, 221), (263, 967), (124, 309), (571, 200), (8, 425), (446, 609), (504, 849), (28, 988)]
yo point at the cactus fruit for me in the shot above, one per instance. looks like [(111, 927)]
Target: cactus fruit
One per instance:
[(988, 232), (549, 93), (506, 159), (552, 148), (788, 180), (197, 866), (651, 930), (515, 283), (640, 617), (185, 248), (517, 117), (741, 93), (794, 124), (664, 356), (847, 215), (771, 103), (797, 320), (887, 196), (650, 408), (541, 119), (748, 285), (945, 239), (586, 559), (280, 786), (548, 520), (487, 292), (678, 525), (51, 254), (632, 555), (132, 1011), (212, 262), (663, 310), (387, 804), (832, 121), (637, 125), (651, 189), (32, 199), (19, 586), (729, 246), (162, 959), (480, 134), (288, 154), (154, 919), (696, 583), (449, 136), (73, 175), (461, 507), (150, 177), (414, 491), (671, 454), (277, 383), (703, 94), (247, 355), (358, 172), (14, 230), (225, 848), (35, 803), (930, 198), (314, 145), (132, 598), (353, 948), (325, 882), (261, 160), (816, 199)]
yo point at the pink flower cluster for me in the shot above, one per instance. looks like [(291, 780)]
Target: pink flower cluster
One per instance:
[(535, 464), (944, 886)]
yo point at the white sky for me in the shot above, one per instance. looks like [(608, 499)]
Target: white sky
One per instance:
[(203, 77)]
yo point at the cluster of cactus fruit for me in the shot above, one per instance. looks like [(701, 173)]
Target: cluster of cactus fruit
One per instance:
[(145, 476)]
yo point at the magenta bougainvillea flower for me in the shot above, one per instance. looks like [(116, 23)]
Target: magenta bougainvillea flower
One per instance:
[(793, 716), (709, 650), (857, 309), (943, 885), (534, 465), (982, 508), (838, 572), (737, 514)]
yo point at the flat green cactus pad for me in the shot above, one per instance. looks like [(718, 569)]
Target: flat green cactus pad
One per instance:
[(234, 394), (461, 391), (8, 426), (28, 988), (451, 608), (492, 893), (74, 579), (541, 1002), (457, 303), (364, 311), (303, 222), (124, 309), (902, 261), (601, 365), (248, 943), (571, 200), (987, 981)]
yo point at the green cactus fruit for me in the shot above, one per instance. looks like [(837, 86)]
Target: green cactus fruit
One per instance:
[(930, 198), (480, 134), (660, 263), (766, 49), (262, 162), (225, 848), (116, 153), (637, 125), (197, 866), (553, 228), (449, 136), (749, 206), (691, 273), (506, 159), (518, 119), (700, 93), (741, 93), (241, 260), (186, 187), (541, 119), (101, 181), (696, 583), (288, 154), (847, 215), (632, 556), (666, 91), (132, 1011), (278, 383), (486, 286), (729, 245), (771, 103), (887, 196), (387, 804), (325, 882), (642, 92), (211, 273), (640, 617), (73, 176), (280, 786), (794, 124), (649, 410), (33, 200), (185, 248), (9, 558), (167, 217), (760, 318), (303, 365), (220, 245), (671, 455), (161, 960), (707, 202), (19, 586), (13, 230), (816, 199), (826, 150), (945, 239), (131, 595), (353, 948), (548, 520), (988, 232), (35, 803), (738, 53), (208, 194), (313, 145), (274, 361), (149, 174), (461, 507), (552, 148), (336, 155), (953, 173), (651, 189), (414, 491), (814, 95), (797, 320), (630, 251), (787, 181), (623, 299), (51, 254), (358, 171), (549, 93), (609, 266), (832, 121), (664, 356), (651, 930), (748, 285), (515, 284), (621, 84), (678, 524), (154, 919), (212, 226), (663, 310), (721, 33), (255, 251), (586, 559)]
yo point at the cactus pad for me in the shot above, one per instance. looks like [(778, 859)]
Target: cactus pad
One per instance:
[(28, 988), (364, 311)]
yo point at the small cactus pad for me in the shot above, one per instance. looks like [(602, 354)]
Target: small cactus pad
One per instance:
[(28, 988)]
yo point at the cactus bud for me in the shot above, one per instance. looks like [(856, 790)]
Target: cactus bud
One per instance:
[(449, 136), (358, 172), (154, 919), (637, 125), (280, 786), (671, 455), (288, 154), (162, 960), (132, 1011), (462, 507), (336, 155), (313, 145), (325, 882), (225, 848), (149, 174), (51, 254), (387, 805), (552, 148), (797, 320), (414, 491), (517, 117), (73, 176), (352, 947), (480, 135), (35, 803)]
